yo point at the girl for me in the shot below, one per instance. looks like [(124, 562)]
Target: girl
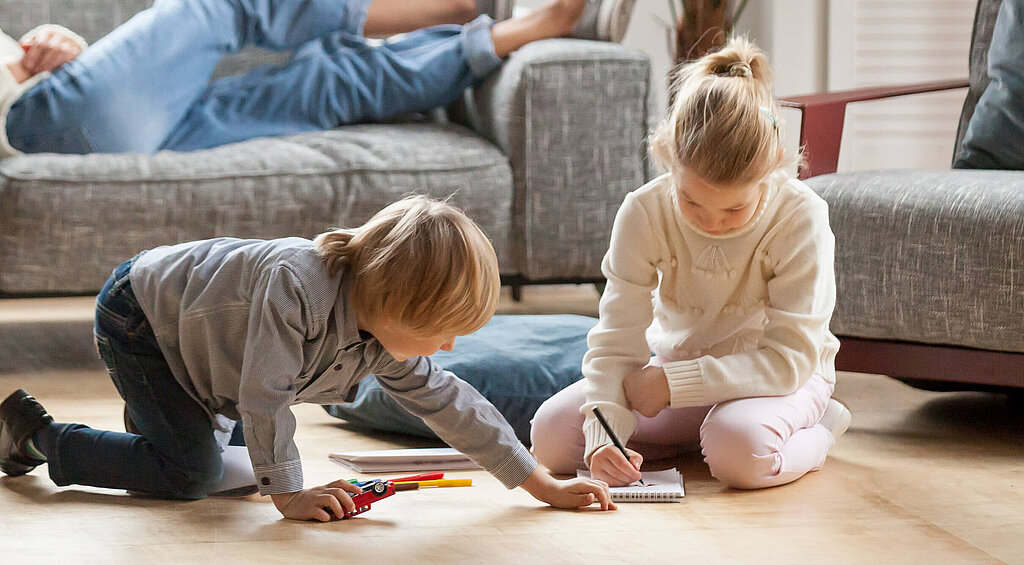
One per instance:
[(739, 257)]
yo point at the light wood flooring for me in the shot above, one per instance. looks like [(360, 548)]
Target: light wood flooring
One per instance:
[(921, 477)]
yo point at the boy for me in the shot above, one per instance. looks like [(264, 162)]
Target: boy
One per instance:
[(199, 334)]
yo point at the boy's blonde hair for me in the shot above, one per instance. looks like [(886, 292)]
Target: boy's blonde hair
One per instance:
[(723, 125), (422, 264)]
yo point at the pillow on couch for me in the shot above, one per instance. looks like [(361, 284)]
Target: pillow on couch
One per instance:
[(516, 362), (995, 134)]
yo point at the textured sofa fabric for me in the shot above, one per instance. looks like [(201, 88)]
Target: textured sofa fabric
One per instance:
[(69, 219), (929, 256), (541, 156)]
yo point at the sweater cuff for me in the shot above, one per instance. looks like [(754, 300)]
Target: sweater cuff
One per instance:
[(622, 422), (82, 43), (685, 383)]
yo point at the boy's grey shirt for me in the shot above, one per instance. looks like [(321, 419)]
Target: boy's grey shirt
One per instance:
[(251, 327)]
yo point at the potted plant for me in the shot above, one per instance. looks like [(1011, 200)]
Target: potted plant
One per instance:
[(700, 26)]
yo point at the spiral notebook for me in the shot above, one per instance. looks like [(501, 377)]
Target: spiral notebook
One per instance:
[(659, 486)]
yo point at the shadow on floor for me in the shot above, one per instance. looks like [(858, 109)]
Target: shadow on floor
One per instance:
[(47, 346)]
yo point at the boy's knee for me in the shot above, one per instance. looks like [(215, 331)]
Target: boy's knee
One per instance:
[(198, 479)]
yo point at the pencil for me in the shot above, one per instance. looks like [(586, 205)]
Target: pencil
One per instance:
[(611, 434), (439, 483)]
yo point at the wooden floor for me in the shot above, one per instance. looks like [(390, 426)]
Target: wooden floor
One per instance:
[(920, 478)]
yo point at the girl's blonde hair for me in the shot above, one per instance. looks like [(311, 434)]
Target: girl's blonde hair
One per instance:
[(421, 264), (723, 125)]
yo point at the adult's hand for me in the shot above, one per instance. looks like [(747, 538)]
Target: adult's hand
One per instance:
[(47, 50)]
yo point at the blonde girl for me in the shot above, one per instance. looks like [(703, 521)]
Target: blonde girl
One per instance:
[(723, 268)]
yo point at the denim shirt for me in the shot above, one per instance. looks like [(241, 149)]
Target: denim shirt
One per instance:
[(251, 327)]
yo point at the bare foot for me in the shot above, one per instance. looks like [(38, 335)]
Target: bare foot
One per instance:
[(555, 19)]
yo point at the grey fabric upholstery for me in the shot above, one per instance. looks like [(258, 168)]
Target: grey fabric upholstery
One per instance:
[(69, 219), (929, 256), (558, 141), (981, 38), (551, 109)]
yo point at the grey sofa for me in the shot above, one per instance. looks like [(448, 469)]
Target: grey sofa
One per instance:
[(929, 264), (540, 155)]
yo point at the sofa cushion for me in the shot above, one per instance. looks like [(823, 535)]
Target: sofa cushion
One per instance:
[(270, 187), (995, 134), (928, 256), (516, 362)]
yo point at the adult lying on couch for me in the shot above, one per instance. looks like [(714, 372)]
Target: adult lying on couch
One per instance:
[(144, 87)]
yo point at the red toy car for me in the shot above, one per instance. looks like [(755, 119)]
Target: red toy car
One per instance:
[(371, 493)]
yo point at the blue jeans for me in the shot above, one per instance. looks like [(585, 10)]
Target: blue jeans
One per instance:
[(145, 86), (176, 455)]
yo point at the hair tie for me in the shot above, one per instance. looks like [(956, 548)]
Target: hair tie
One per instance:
[(768, 114), (740, 69)]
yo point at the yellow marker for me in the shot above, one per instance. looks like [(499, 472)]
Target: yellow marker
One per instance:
[(440, 483)]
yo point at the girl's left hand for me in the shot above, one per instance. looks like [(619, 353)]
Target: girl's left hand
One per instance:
[(572, 493), (48, 50), (647, 390)]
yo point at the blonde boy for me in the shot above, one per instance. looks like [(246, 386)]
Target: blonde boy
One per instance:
[(202, 334)]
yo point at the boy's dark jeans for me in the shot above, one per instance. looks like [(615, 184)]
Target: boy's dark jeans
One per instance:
[(176, 455)]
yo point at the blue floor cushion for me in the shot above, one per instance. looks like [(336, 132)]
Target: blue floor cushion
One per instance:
[(516, 362)]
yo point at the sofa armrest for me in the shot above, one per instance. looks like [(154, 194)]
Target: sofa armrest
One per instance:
[(571, 116), (821, 126)]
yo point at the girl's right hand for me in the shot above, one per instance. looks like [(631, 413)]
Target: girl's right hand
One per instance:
[(318, 503), (608, 464)]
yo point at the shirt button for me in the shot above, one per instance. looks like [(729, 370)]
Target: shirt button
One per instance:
[(673, 262), (337, 367)]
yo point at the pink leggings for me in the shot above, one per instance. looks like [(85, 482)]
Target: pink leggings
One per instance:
[(748, 443)]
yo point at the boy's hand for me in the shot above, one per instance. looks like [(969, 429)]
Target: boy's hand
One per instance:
[(48, 50), (573, 493), (310, 504), (647, 390), (608, 465)]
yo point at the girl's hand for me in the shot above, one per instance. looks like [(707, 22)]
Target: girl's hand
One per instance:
[(647, 390), (312, 503), (608, 465), (573, 493), (48, 50)]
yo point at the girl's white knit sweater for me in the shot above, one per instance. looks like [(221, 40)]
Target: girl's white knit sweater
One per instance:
[(732, 316)]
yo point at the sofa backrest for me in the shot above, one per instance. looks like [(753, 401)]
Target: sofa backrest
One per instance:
[(984, 22), (92, 19)]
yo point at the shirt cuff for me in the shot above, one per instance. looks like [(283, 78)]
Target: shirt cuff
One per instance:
[(685, 383), (515, 467), (622, 422), (278, 478)]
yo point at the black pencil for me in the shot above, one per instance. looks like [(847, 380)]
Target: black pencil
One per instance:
[(611, 434)]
